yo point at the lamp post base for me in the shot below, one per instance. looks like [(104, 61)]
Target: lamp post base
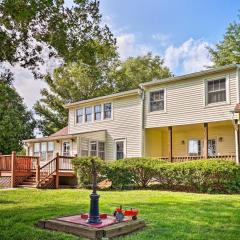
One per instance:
[(94, 217)]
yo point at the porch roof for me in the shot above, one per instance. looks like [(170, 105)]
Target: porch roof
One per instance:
[(61, 134)]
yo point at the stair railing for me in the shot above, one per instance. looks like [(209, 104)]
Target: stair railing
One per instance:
[(47, 170)]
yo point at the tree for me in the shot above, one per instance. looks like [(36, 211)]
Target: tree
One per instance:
[(227, 51), (130, 73), (79, 81), (31, 28), (16, 123)]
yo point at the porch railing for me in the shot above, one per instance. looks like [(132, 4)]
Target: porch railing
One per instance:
[(189, 158)]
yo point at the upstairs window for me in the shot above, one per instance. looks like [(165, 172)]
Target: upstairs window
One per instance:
[(88, 114), (107, 110), (97, 112), (216, 91), (79, 115), (157, 101)]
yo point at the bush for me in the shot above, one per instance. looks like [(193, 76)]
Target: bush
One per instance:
[(83, 169), (131, 171), (200, 176), (118, 173)]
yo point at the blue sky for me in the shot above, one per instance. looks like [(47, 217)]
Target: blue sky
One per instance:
[(177, 30)]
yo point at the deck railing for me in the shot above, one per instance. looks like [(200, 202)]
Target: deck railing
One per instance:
[(189, 158), (5, 162), (65, 163), (26, 163)]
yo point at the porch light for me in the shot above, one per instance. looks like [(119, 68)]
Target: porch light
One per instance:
[(220, 139), (73, 140), (182, 142)]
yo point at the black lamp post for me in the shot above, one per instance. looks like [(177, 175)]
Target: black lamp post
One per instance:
[(94, 217)]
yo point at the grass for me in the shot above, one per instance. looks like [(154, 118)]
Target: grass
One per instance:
[(169, 215)]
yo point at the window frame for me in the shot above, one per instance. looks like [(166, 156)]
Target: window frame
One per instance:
[(104, 110), (164, 99), (206, 81), (70, 147), (97, 148), (94, 113), (124, 140), (201, 147), (83, 115)]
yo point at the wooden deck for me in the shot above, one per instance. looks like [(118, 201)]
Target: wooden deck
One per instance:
[(26, 171)]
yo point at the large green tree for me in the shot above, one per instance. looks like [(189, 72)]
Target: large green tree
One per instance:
[(130, 73), (32, 31), (16, 123), (79, 81), (227, 51)]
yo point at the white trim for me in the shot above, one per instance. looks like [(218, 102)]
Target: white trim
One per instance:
[(238, 85), (227, 102), (124, 140), (165, 101)]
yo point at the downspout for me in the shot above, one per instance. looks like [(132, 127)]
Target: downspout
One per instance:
[(236, 121), (142, 94)]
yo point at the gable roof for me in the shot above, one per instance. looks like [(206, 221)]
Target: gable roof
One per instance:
[(190, 75), (61, 132)]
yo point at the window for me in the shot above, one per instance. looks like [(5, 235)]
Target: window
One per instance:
[(66, 148), (194, 147), (119, 148), (43, 151), (97, 148), (157, 101), (88, 114), (101, 150), (93, 148), (212, 147), (36, 149), (216, 91), (50, 146), (97, 112), (79, 115), (107, 110)]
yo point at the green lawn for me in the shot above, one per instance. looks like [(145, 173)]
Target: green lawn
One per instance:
[(169, 215)]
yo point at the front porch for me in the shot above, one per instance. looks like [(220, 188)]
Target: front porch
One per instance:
[(190, 142)]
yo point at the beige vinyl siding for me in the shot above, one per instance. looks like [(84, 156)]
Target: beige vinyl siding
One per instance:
[(185, 102), (125, 124)]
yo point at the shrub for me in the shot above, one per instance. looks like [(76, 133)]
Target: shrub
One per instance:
[(131, 171), (118, 173), (200, 176), (142, 169), (83, 169)]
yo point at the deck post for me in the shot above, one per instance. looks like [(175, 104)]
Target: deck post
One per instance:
[(205, 141), (170, 158), (57, 170), (13, 167), (38, 171)]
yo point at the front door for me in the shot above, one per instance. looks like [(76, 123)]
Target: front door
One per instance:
[(66, 148)]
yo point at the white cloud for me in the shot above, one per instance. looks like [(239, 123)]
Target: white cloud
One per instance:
[(128, 46), (163, 39), (27, 86), (190, 56)]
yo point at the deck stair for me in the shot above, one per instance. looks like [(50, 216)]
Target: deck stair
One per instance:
[(29, 182)]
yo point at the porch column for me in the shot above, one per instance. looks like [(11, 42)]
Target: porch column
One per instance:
[(205, 154), (236, 128), (170, 143)]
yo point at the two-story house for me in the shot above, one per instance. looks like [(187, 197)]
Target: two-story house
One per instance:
[(192, 116)]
